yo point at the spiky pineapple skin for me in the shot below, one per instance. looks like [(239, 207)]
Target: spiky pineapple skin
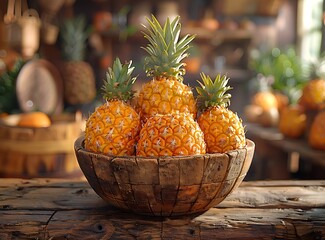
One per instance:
[(113, 129), (163, 96), (223, 130), (79, 82), (171, 135)]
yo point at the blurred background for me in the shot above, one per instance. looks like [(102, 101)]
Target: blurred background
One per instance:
[(54, 55)]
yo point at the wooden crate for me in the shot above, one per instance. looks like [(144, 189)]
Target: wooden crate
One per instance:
[(27, 152)]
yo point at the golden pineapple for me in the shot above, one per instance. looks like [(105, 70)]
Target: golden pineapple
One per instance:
[(78, 75), (313, 95), (114, 126), (223, 129), (171, 135), (165, 93), (292, 121)]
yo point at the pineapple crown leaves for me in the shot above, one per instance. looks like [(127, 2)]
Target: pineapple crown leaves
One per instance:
[(119, 82), (74, 33), (213, 93), (316, 68), (165, 48)]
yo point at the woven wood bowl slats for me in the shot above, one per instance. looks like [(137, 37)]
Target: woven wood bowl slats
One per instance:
[(165, 186)]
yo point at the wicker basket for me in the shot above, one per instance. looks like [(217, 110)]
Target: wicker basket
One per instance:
[(165, 186), (27, 152)]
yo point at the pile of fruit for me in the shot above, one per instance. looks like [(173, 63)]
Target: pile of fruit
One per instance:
[(306, 118), (312, 102), (165, 119)]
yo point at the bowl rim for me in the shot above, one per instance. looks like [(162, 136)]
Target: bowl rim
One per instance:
[(79, 146)]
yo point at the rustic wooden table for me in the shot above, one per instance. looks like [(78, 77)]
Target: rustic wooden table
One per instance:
[(277, 157), (70, 209)]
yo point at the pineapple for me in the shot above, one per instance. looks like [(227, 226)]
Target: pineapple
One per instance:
[(222, 128), (166, 92), (171, 135), (114, 126), (78, 75)]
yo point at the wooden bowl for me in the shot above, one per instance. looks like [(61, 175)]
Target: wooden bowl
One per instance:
[(165, 186)]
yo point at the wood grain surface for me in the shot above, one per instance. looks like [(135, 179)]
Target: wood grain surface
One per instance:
[(70, 209)]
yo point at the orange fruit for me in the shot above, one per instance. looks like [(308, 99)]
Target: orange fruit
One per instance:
[(313, 95), (293, 121), (34, 119), (282, 100), (316, 137), (265, 99)]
